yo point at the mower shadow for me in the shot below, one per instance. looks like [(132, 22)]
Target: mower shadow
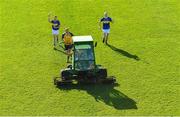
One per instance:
[(106, 94), (124, 53)]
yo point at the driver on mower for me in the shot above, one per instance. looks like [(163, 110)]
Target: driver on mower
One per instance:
[(68, 43)]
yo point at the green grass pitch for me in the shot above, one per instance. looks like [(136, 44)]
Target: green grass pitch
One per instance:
[(147, 29)]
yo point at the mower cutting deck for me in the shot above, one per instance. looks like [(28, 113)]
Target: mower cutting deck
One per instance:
[(83, 68)]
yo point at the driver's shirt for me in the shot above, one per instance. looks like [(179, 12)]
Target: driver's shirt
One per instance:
[(67, 37)]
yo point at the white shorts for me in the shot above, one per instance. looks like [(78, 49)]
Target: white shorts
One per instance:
[(55, 32), (106, 30)]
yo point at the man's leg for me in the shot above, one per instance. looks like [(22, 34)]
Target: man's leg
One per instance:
[(68, 55), (107, 35), (104, 37), (57, 38), (66, 50), (70, 52), (54, 37)]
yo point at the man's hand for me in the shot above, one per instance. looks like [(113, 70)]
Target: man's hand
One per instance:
[(49, 14), (49, 17)]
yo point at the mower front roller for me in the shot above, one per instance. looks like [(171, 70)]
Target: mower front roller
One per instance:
[(59, 82), (107, 80)]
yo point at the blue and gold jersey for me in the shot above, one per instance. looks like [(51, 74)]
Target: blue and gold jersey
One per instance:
[(106, 22), (56, 24)]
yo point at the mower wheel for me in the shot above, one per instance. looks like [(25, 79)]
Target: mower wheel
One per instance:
[(109, 80), (69, 66), (64, 83), (55, 80), (66, 75), (102, 73)]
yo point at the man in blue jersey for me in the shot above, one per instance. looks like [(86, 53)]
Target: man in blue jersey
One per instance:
[(55, 28), (106, 26)]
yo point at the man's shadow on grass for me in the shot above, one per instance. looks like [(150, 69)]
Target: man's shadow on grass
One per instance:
[(60, 49), (105, 93), (123, 52)]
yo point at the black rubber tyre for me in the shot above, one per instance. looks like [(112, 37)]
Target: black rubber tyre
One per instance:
[(64, 83), (66, 75), (109, 81), (69, 66), (102, 73), (55, 80)]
